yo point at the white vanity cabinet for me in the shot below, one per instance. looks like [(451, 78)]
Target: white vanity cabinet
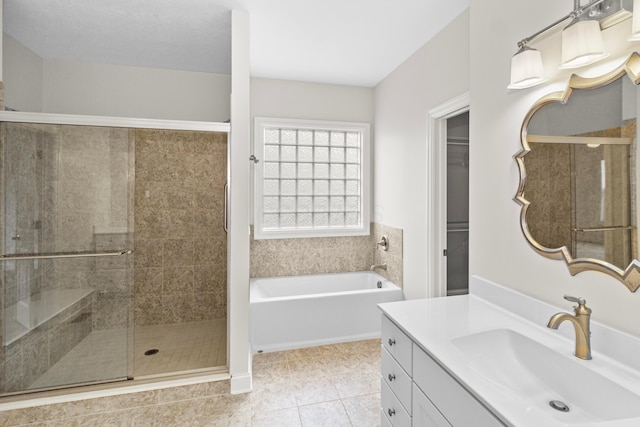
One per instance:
[(416, 391), (396, 383)]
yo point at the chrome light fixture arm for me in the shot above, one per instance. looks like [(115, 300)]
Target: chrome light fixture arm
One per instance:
[(577, 11)]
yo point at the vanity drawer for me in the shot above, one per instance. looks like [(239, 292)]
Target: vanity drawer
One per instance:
[(393, 409), (397, 343), (448, 395), (384, 421), (424, 413), (397, 379)]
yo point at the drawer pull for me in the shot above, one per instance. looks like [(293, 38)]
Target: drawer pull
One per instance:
[(392, 342), (392, 377), (391, 412)]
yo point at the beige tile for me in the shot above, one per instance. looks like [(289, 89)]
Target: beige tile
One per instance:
[(173, 394), (147, 281), (278, 399), (147, 309), (363, 411), (182, 346), (177, 252), (273, 396), (177, 308), (148, 253), (177, 280), (301, 353), (178, 223), (132, 400), (208, 142), (210, 251), (148, 223), (313, 367), (281, 418), (37, 414), (218, 387), (209, 305), (358, 384), (269, 358), (324, 414), (204, 198), (315, 391), (110, 419), (274, 371), (339, 364)]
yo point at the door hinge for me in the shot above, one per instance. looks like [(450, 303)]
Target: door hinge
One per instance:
[(444, 252)]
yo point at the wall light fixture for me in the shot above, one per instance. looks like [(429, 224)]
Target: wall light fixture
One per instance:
[(526, 68), (582, 42)]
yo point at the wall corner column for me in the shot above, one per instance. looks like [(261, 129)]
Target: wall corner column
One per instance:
[(239, 208)]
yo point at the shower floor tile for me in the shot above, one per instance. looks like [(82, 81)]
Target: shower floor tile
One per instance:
[(182, 346), (102, 355)]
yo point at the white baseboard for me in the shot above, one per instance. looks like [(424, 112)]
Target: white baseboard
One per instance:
[(241, 383)]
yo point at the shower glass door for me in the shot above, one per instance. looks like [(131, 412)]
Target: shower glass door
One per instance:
[(66, 265)]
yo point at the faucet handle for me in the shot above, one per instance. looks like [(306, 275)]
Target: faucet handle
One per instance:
[(578, 300), (581, 308)]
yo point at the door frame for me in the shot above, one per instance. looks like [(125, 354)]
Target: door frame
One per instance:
[(437, 191)]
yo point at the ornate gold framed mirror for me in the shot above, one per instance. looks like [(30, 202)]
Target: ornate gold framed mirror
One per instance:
[(578, 187)]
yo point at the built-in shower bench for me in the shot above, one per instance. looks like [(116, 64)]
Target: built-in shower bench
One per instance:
[(44, 308)]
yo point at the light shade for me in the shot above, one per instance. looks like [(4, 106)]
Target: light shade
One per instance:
[(582, 44), (635, 23), (526, 69)]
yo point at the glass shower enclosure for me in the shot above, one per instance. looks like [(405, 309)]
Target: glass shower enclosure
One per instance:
[(66, 267)]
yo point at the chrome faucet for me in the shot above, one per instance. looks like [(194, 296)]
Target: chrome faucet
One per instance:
[(382, 266), (580, 321)]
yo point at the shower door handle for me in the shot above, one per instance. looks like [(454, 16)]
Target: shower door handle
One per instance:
[(226, 207)]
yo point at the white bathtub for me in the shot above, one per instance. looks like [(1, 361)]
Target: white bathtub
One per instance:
[(302, 311)]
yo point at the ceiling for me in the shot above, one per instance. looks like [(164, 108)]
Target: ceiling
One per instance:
[(351, 42)]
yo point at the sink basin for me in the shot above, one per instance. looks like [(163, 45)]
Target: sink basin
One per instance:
[(520, 368)]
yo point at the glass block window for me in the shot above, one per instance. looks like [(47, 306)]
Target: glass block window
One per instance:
[(311, 179)]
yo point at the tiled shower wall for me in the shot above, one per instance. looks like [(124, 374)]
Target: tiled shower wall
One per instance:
[(180, 261), (318, 255)]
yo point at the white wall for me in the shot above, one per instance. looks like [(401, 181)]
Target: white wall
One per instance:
[(239, 213), (22, 72), (116, 90), (498, 251), (436, 73), (315, 101), (35, 84)]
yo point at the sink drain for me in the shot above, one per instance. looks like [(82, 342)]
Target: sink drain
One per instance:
[(151, 352), (559, 406)]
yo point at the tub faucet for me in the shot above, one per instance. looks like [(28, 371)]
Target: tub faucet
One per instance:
[(382, 266), (580, 321)]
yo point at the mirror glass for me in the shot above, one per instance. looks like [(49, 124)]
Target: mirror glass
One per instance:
[(579, 176)]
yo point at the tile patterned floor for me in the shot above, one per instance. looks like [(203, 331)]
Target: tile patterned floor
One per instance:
[(332, 385), (102, 354), (183, 346)]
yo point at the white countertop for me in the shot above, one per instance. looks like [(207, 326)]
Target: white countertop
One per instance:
[(434, 323)]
